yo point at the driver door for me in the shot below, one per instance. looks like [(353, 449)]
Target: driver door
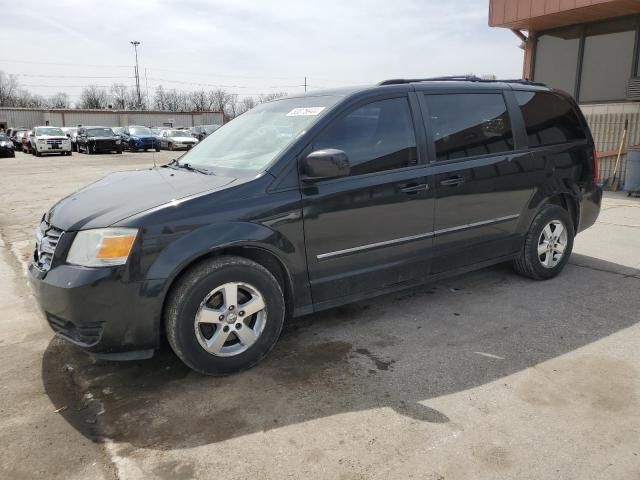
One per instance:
[(372, 230)]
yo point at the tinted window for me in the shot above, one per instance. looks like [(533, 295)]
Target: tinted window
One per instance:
[(549, 118), (376, 137), (469, 124), (608, 61), (557, 58)]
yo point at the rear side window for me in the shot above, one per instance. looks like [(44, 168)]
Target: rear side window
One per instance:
[(376, 137), (548, 118), (469, 124)]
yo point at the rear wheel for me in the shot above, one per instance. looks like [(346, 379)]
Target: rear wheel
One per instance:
[(548, 244), (170, 146), (224, 315)]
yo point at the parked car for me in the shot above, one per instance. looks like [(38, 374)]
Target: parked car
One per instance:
[(136, 137), (92, 140), (6, 146), (306, 203), (157, 130), (16, 136), (71, 133), (177, 140), (26, 142), (201, 131), (49, 140)]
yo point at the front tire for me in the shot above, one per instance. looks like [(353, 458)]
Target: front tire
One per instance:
[(224, 315), (548, 244)]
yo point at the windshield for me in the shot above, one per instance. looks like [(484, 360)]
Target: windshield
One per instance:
[(49, 131), (140, 131), (100, 132), (3, 137), (253, 140), (178, 133)]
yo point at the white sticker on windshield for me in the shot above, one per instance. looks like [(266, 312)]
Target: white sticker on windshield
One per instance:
[(305, 111)]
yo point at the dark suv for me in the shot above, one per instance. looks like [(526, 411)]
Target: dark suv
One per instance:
[(310, 202), (97, 140)]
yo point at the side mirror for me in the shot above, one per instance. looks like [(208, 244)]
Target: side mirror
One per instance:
[(325, 164)]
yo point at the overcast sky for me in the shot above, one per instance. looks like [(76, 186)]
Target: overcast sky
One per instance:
[(251, 47)]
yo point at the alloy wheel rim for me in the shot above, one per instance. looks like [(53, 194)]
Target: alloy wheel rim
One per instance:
[(552, 244), (230, 319)]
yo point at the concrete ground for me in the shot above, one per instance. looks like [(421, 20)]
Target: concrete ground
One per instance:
[(483, 376)]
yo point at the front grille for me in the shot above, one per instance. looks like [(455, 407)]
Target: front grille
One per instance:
[(47, 238), (86, 334)]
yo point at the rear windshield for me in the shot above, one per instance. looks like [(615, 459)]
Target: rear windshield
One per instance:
[(549, 118)]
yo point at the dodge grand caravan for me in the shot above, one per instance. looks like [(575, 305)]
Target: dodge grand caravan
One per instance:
[(309, 202)]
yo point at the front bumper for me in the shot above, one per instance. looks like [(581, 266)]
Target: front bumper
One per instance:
[(47, 148), (7, 151), (97, 310), (145, 144)]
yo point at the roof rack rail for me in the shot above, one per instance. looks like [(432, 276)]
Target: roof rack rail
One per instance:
[(458, 78)]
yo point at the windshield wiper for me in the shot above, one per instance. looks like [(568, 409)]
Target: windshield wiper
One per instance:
[(175, 164)]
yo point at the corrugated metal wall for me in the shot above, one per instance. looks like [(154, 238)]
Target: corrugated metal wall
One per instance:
[(21, 118), (17, 117), (607, 125)]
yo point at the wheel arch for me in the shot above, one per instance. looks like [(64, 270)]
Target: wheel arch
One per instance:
[(568, 202), (259, 254)]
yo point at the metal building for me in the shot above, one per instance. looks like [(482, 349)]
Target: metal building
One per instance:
[(591, 49), (30, 117)]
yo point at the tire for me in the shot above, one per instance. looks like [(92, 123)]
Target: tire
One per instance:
[(87, 149), (186, 300), (545, 265), (170, 146), (157, 149), (119, 151), (37, 153), (78, 147)]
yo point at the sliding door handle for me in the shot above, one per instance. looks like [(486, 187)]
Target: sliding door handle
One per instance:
[(452, 182), (414, 188)]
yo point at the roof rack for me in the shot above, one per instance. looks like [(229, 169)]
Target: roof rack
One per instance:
[(458, 78)]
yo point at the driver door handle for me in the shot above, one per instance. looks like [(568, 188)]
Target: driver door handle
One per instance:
[(452, 182), (414, 188)]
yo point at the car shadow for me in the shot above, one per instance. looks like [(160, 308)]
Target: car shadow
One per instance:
[(396, 351)]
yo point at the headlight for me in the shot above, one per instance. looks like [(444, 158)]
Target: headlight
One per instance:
[(41, 140), (117, 141), (102, 247), (4, 144)]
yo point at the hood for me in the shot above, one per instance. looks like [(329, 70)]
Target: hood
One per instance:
[(122, 194), (142, 136)]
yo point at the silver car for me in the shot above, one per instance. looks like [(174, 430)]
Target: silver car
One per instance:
[(176, 140)]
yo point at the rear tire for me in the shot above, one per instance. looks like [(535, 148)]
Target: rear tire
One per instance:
[(548, 244), (192, 296)]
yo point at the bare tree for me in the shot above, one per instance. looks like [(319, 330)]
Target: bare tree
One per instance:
[(160, 98), (93, 97), (122, 97), (8, 89), (200, 101), (25, 99), (59, 100), (218, 100)]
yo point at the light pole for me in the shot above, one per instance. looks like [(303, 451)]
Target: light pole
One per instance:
[(135, 44)]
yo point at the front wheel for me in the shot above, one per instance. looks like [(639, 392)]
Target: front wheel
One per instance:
[(224, 315), (548, 244)]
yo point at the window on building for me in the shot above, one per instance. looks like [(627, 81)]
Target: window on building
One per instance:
[(470, 124), (608, 60), (556, 61), (376, 137), (548, 118)]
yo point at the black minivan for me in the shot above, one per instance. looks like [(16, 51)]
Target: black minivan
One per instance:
[(310, 202)]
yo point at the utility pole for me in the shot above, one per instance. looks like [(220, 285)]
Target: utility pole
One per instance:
[(305, 84), (135, 44)]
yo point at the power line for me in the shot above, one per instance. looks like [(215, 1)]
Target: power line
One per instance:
[(68, 76), (8, 60)]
